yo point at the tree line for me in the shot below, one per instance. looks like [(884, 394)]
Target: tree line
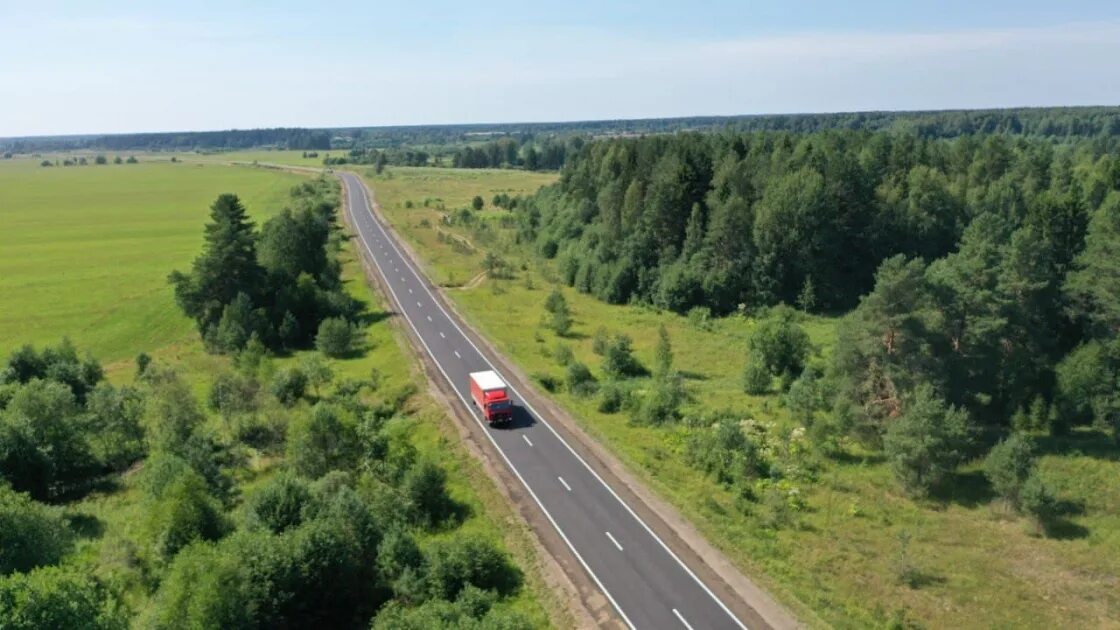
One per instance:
[(978, 276), (279, 287)]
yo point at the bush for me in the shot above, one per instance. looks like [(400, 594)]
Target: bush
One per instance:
[(31, 534), (43, 444), (1036, 499), (321, 441), (563, 354), (660, 405), (600, 341), (580, 380), (232, 394), (279, 505), (337, 337), (756, 378), (1008, 466), (289, 385), (425, 487), (779, 344), (612, 398), (460, 561), (547, 381), (54, 597), (724, 452), (183, 513), (116, 435), (927, 442), (619, 361)]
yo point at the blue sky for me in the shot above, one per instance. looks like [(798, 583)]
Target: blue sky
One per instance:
[(105, 67)]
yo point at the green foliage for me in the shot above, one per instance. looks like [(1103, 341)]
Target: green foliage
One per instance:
[(1089, 385), (580, 380), (927, 442), (660, 404), (31, 534), (464, 560), (756, 377), (44, 445), (1037, 499), (778, 344), (1008, 466), (425, 489), (181, 513), (619, 361), (53, 597), (477, 203), (59, 363), (612, 398), (600, 341), (232, 393), (725, 452), (289, 385), (276, 285), (663, 355), (560, 317), (279, 505), (116, 431), (322, 440), (337, 337), (1094, 285)]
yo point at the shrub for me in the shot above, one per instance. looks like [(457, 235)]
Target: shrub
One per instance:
[(322, 440), (279, 505), (756, 378), (183, 513), (779, 344), (619, 361), (31, 534), (337, 337), (601, 341), (289, 385), (927, 442), (724, 452), (425, 487), (1036, 499), (580, 380), (463, 560), (563, 354), (660, 405), (547, 381), (54, 597), (612, 398), (1008, 466)]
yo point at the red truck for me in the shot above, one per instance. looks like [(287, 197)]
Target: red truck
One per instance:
[(491, 395)]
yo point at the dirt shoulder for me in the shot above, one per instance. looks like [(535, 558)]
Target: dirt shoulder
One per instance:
[(753, 605)]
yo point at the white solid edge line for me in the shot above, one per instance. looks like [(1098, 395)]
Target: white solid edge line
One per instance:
[(404, 259), (674, 556), (613, 541), (565, 484), (494, 442), (526, 438), (681, 617)]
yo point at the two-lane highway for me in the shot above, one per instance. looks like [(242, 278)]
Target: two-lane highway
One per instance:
[(647, 584)]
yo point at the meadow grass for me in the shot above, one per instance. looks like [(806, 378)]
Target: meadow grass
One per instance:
[(84, 253), (970, 562)]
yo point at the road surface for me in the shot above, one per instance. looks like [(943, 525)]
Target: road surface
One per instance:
[(647, 584)]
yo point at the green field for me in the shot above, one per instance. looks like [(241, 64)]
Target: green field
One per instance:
[(978, 565), (84, 253)]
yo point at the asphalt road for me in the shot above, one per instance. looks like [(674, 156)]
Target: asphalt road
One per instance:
[(647, 584)]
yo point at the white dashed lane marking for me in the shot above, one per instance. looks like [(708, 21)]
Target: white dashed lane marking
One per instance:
[(457, 355), (681, 617), (568, 488), (614, 541), (526, 438)]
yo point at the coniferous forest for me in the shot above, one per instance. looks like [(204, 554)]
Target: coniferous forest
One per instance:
[(978, 277)]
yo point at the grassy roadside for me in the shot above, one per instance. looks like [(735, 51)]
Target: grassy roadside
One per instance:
[(977, 565)]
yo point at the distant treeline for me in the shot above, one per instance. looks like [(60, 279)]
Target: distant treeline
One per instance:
[(299, 139), (1053, 123)]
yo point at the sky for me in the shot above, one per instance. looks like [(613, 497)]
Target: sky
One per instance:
[(77, 67)]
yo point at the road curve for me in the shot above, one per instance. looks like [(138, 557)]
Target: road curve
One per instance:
[(647, 584)]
